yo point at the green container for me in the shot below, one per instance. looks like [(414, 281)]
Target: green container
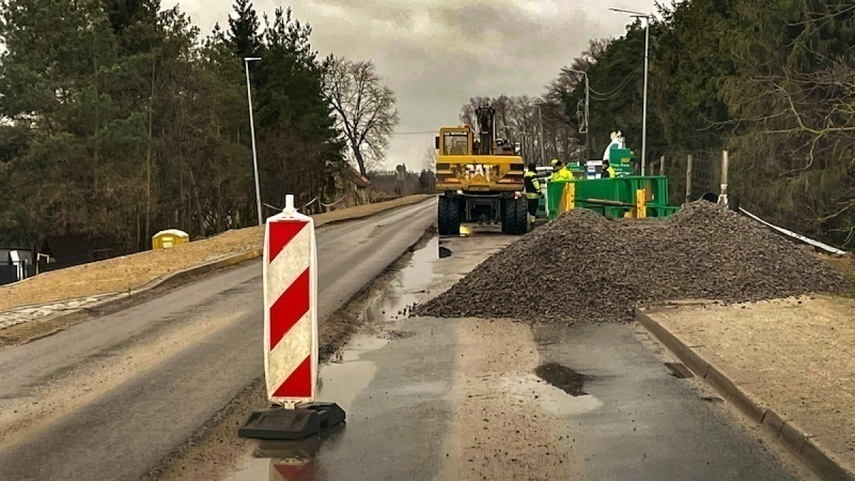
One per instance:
[(657, 184), (620, 189), (541, 209)]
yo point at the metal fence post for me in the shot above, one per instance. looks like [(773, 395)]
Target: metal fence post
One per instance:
[(722, 198)]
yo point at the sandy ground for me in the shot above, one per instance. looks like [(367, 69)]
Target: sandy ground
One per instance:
[(129, 272), (793, 356)]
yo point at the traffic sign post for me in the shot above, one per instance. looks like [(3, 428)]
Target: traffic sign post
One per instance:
[(290, 333)]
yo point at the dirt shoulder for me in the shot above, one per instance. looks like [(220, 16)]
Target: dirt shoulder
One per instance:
[(789, 362), (126, 273)]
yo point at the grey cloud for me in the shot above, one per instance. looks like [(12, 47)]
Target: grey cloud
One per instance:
[(436, 54)]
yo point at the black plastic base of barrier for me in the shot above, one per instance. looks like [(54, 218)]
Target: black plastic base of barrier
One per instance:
[(304, 421)]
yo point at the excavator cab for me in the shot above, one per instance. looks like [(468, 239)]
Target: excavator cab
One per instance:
[(455, 141), (480, 178)]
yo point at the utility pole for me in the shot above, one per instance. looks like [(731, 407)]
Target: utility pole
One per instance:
[(647, 17), (644, 108), (254, 149)]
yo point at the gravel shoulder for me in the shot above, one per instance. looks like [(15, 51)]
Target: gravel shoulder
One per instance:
[(125, 273), (790, 357)]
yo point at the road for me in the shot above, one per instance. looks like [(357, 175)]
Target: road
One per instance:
[(111, 397), (437, 399)]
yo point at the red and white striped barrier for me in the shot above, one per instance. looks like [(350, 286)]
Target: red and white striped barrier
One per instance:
[(291, 470), (290, 279), (290, 308)]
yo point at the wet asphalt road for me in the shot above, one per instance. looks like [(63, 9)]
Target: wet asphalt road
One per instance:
[(435, 399), (110, 398)]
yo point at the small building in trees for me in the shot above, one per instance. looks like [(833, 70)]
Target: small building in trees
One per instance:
[(352, 188), (71, 250), (16, 264)]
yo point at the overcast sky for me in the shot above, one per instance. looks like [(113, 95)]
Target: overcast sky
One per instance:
[(436, 54)]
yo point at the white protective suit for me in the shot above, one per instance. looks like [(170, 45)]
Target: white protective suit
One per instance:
[(617, 143)]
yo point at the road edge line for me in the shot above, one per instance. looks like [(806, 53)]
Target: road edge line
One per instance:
[(797, 441)]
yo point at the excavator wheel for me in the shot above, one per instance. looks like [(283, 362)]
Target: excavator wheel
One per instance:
[(448, 216), (515, 221)]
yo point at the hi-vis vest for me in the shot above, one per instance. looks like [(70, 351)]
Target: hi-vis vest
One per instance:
[(532, 185)]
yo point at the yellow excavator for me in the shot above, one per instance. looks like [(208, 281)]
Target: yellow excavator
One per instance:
[(480, 178)]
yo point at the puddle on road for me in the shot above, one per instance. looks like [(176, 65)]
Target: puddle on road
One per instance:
[(531, 390), (286, 460), (344, 378), (349, 373), (563, 378)]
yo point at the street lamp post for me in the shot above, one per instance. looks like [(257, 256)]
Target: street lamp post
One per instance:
[(587, 114), (646, 18), (246, 61)]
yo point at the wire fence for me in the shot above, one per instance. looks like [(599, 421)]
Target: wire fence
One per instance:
[(691, 175)]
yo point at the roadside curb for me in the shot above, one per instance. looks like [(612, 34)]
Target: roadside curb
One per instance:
[(799, 442), (119, 300)]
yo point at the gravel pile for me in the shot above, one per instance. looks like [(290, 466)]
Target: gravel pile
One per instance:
[(585, 267)]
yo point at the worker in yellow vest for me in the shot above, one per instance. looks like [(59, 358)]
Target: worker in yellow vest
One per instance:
[(608, 170), (560, 173)]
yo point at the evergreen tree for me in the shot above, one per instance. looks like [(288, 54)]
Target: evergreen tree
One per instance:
[(122, 13), (295, 125), (244, 30)]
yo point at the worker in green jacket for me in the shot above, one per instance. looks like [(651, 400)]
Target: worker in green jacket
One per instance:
[(532, 191), (560, 173)]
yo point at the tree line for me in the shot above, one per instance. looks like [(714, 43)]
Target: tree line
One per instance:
[(772, 82), (118, 119)]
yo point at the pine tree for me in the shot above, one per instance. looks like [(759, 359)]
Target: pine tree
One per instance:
[(244, 36), (122, 13)]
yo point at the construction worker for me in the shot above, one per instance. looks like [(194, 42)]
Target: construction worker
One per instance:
[(532, 191), (560, 173), (608, 170)]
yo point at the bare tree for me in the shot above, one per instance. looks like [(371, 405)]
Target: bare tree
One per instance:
[(429, 159), (518, 119), (561, 129), (364, 109)]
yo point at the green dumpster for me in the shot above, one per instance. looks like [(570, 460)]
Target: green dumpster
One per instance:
[(620, 189)]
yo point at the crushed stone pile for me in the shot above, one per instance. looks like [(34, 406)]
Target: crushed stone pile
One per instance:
[(585, 267)]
